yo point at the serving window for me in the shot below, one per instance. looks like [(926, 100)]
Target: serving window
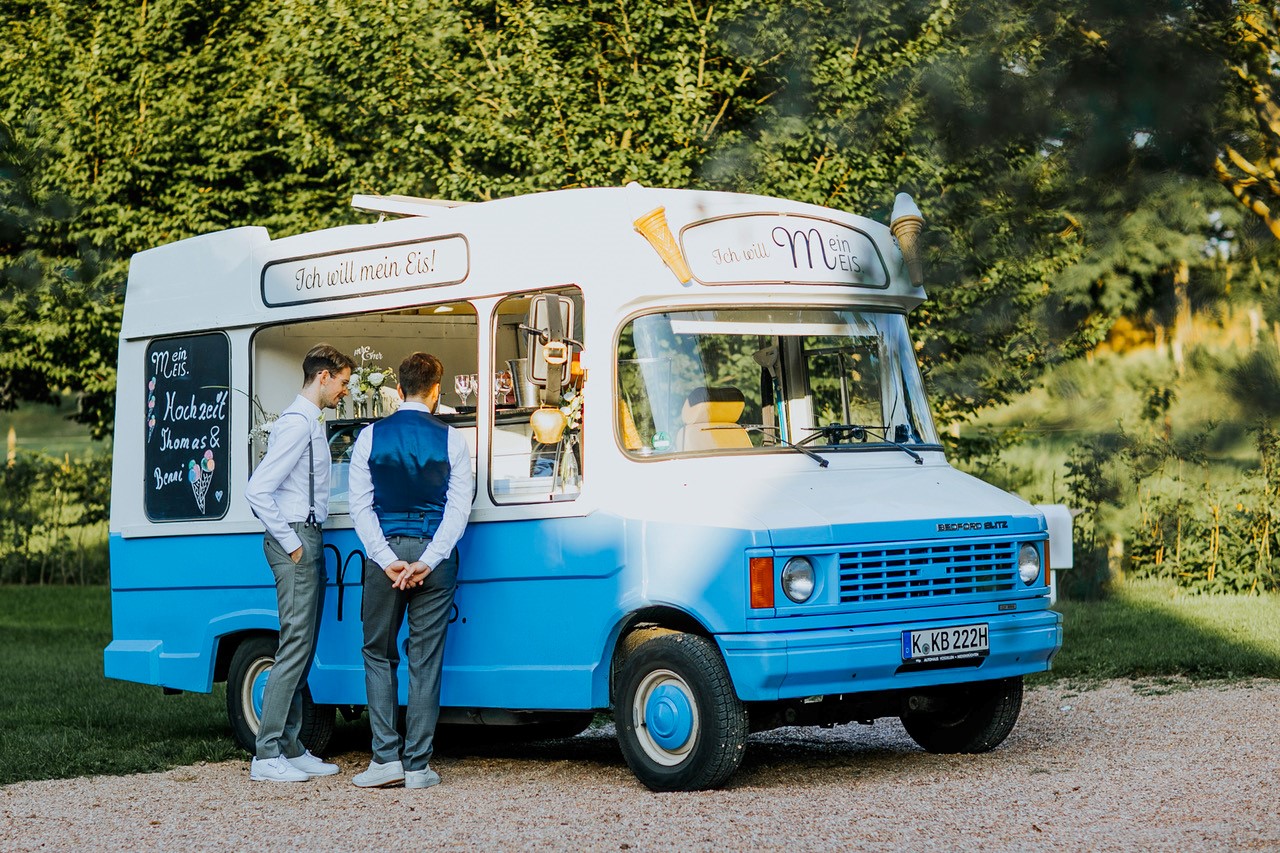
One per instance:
[(536, 447), (377, 343)]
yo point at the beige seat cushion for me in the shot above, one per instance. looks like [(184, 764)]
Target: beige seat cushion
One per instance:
[(710, 418)]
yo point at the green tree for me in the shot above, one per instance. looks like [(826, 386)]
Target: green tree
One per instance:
[(1062, 153), (1248, 163)]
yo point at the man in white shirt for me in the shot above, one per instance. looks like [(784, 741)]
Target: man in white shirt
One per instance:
[(289, 492), (410, 489)]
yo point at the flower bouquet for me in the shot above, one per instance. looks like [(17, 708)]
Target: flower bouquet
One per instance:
[(372, 389)]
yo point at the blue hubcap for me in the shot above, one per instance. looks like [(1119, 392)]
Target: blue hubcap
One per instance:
[(668, 715), (259, 687)]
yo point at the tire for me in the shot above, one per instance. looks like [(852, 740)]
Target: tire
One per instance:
[(246, 678), (970, 718), (680, 724)]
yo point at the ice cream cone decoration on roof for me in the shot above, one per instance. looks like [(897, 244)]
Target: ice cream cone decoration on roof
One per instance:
[(905, 226), (653, 225)]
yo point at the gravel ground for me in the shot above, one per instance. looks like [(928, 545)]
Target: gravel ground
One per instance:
[(1118, 766)]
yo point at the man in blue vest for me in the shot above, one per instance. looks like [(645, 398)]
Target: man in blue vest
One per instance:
[(410, 491)]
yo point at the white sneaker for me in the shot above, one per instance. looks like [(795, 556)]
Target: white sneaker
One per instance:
[(380, 775), (276, 769), (313, 766), (421, 778)]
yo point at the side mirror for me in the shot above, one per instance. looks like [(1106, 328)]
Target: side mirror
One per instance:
[(549, 327)]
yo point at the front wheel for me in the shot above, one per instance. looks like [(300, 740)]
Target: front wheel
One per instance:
[(680, 724), (246, 682), (967, 718)]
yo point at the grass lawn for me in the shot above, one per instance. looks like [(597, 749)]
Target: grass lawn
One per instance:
[(49, 429), (1153, 629), (59, 717)]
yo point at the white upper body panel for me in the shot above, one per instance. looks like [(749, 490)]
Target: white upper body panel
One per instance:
[(585, 237), (740, 249)]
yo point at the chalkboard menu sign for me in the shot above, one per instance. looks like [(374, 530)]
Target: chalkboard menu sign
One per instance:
[(188, 427)]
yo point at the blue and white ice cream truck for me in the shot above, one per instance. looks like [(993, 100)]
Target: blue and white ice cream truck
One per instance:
[(710, 498)]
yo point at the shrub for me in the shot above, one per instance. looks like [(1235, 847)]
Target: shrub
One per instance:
[(53, 515), (1219, 539)]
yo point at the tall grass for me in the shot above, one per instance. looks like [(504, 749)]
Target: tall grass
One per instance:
[(1176, 471)]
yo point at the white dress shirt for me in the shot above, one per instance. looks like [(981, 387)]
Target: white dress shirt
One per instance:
[(457, 505), (279, 490)]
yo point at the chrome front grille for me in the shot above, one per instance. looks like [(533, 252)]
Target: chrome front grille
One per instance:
[(909, 571)]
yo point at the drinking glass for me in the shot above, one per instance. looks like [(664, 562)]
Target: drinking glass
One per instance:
[(464, 385), (501, 387)]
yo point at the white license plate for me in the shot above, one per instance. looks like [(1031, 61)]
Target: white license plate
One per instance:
[(935, 644)]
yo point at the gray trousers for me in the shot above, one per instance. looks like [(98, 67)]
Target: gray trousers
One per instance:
[(300, 599), (383, 610)]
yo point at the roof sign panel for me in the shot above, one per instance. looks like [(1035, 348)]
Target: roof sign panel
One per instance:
[(780, 248), (360, 272)]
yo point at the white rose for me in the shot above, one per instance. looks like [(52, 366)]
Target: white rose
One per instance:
[(375, 379)]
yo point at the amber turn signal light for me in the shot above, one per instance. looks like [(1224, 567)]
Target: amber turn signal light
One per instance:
[(762, 581)]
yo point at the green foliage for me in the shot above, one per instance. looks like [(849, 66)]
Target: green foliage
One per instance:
[(53, 517), (1062, 153), (59, 317), (1169, 480), (1213, 539)]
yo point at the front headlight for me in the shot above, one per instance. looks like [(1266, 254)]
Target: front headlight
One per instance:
[(797, 579), (1028, 563)]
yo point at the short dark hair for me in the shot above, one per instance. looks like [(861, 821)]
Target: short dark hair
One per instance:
[(419, 373), (324, 357)]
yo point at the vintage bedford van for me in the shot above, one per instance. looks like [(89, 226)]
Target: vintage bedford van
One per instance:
[(710, 497)]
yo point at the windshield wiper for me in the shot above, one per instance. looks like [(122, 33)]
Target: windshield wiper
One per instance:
[(778, 435), (858, 432)]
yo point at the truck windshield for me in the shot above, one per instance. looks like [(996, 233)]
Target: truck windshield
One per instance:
[(746, 380)]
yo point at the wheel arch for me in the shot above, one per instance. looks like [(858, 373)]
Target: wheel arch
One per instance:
[(225, 646), (655, 618)]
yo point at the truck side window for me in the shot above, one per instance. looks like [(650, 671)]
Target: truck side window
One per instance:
[(523, 469)]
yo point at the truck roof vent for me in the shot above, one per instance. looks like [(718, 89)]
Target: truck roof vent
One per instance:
[(401, 205)]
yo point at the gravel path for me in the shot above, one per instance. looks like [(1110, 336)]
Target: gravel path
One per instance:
[(1121, 766)]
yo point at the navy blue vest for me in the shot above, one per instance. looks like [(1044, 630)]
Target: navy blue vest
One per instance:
[(409, 465)]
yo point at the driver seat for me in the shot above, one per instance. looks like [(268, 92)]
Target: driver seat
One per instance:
[(710, 418)]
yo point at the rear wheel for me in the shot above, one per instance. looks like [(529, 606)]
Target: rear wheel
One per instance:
[(967, 718), (680, 724), (246, 681)]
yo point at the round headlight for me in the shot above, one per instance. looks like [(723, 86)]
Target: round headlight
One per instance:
[(1028, 563), (797, 579)]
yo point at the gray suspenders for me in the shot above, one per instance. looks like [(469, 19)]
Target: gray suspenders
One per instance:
[(311, 473)]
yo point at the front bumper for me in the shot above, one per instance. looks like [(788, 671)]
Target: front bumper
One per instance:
[(830, 661)]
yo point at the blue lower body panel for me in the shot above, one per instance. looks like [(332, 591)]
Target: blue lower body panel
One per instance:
[(511, 642), (795, 664)]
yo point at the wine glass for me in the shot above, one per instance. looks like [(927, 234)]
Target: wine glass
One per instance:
[(501, 386), (463, 385)]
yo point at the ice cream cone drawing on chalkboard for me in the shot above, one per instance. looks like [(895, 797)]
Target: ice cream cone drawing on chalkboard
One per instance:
[(200, 474), (151, 407)]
